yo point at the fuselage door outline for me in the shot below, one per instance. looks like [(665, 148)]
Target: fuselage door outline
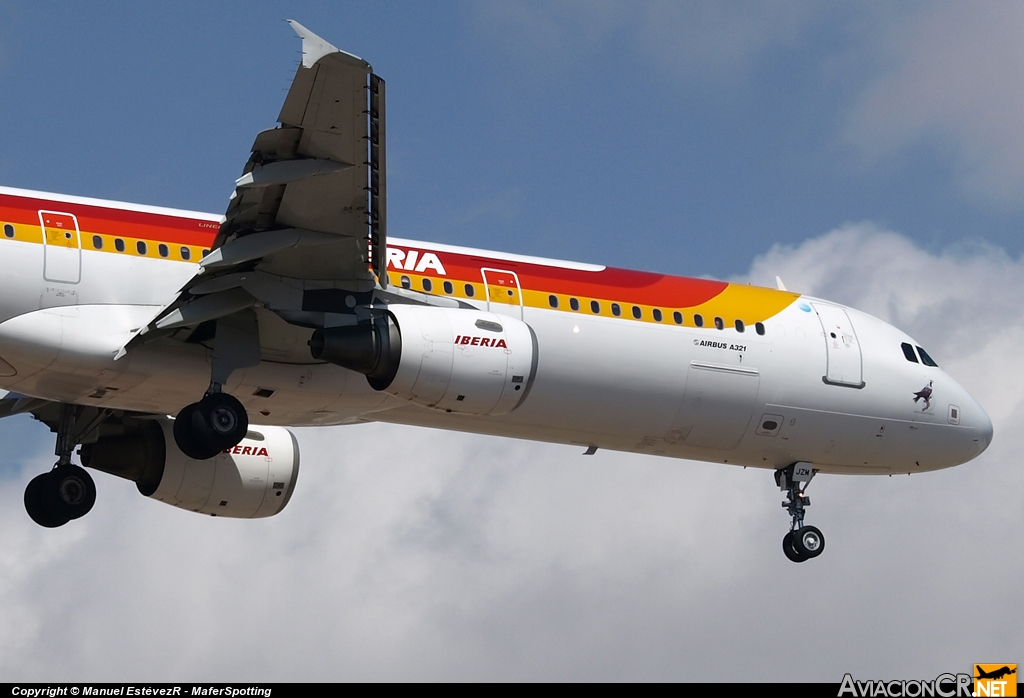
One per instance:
[(504, 294), (62, 247), (845, 363)]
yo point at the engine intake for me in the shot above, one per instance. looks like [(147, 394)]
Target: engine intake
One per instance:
[(254, 479)]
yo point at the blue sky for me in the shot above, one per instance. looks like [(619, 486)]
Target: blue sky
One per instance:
[(677, 137), (870, 153)]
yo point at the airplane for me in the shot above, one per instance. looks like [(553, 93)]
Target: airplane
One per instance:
[(147, 337), (996, 673)]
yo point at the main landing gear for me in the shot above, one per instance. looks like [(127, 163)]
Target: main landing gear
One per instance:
[(214, 424), (802, 542), (218, 421), (67, 491)]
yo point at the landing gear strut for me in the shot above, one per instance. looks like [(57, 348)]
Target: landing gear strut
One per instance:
[(215, 423), (67, 491), (802, 542), (219, 421)]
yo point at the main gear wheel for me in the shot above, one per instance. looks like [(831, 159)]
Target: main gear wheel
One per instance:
[(214, 424)]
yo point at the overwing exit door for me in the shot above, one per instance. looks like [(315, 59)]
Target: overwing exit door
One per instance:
[(504, 296), (62, 247)]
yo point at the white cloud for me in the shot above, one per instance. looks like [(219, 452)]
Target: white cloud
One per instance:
[(963, 304), (414, 554), (952, 81)]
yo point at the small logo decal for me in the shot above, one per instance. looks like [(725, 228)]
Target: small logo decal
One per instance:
[(248, 451), (925, 394), (995, 680), (480, 341)]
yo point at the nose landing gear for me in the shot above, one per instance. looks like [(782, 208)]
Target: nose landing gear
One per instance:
[(802, 542)]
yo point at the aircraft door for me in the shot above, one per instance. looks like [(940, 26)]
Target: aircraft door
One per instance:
[(845, 366), (62, 247), (504, 296)]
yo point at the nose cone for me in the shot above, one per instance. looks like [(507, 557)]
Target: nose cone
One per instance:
[(978, 431), (981, 426)]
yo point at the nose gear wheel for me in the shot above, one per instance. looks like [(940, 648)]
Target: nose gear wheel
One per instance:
[(802, 542)]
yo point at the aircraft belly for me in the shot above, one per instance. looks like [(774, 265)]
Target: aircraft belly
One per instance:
[(624, 386)]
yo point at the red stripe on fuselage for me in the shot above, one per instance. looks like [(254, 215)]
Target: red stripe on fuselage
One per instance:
[(113, 221), (609, 283), (640, 286)]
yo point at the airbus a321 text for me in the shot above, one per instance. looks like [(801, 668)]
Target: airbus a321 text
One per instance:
[(295, 308)]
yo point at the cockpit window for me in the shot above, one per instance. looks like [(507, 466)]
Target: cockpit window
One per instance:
[(925, 359), (908, 351)]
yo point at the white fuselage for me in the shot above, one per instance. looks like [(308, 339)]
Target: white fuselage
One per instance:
[(609, 382)]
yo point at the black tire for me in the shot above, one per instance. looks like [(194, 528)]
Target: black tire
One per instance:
[(34, 503), (790, 550), (69, 492), (221, 421), (185, 434), (809, 541)]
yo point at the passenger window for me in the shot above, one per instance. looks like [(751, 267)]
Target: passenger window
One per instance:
[(759, 327), (119, 245), (908, 351), (925, 359), (657, 314), (616, 310), (448, 287), (740, 327), (8, 230), (553, 301), (470, 291), (698, 320), (186, 253), (206, 252), (428, 285), (677, 317), (163, 250), (637, 313), (97, 242), (595, 307), (141, 247), (574, 304), (719, 323), (406, 282)]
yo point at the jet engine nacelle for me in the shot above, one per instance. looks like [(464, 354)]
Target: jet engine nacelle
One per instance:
[(252, 480), (452, 359)]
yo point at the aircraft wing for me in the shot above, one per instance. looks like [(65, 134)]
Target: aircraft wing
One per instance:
[(310, 206), (321, 171)]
